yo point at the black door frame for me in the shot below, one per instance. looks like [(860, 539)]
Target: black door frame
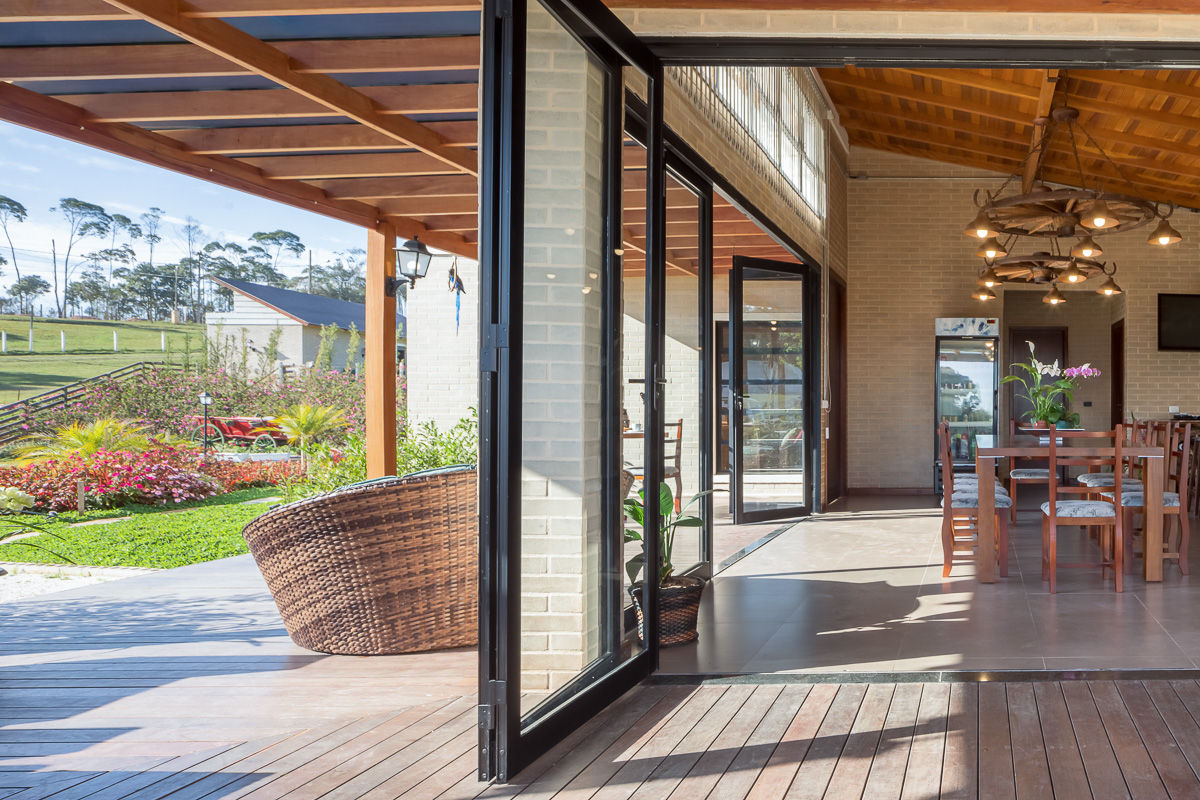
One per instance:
[(504, 747), (837, 476), (811, 359)]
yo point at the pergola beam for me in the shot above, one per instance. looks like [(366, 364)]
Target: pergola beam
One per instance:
[(218, 36), (277, 139), (309, 56), (446, 98), (1041, 116), (380, 358), (383, 187), (97, 10)]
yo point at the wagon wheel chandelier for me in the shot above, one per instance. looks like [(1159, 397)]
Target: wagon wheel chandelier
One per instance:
[(1090, 210)]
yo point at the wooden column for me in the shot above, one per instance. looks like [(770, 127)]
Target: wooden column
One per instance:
[(381, 353)]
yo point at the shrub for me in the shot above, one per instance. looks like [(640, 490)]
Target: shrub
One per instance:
[(86, 439), (421, 447), (236, 475)]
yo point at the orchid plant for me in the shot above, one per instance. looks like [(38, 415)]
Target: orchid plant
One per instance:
[(1050, 388)]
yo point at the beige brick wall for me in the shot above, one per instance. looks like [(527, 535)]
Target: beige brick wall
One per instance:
[(910, 263)]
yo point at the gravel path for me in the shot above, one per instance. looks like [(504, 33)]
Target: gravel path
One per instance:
[(17, 585)]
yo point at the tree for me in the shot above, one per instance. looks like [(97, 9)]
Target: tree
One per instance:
[(26, 290), (84, 220), (121, 224), (11, 212), (151, 223), (275, 242), (343, 277), (192, 233)]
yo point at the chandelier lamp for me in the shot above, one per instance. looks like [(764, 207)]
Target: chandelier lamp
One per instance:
[(1070, 216)]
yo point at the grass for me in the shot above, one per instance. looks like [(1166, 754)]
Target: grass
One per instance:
[(188, 533), (89, 350)]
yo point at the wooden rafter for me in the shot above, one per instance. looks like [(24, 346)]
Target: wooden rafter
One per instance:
[(991, 110), (348, 165), (97, 10), (451, 98), (1011, 6), (425, 185), (1040, 117), (316, 56), (309, 138), (223, 39)]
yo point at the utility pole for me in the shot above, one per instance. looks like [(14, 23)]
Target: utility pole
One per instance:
[(310, 271)]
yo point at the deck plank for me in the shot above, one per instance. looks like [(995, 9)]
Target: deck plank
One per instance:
[(923, 778), (997, 780), (1030, 765), (825, 746), (849, 778), (886, 777), (1136, 765), (1182, 725), (1173, 769), (1099, 760), (777, 774), (960, 769), (743, 771)]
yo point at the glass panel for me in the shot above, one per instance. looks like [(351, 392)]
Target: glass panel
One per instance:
[(682, 394), (773, 391), (966, 391), (571, 624)]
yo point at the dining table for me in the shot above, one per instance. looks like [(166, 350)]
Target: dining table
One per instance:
[(1033, 445)]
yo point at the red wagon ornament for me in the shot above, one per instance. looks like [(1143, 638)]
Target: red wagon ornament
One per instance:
[(257, 432)]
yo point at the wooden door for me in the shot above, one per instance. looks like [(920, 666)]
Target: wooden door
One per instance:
[(1051, 346), (836, 464), (1116, 375)]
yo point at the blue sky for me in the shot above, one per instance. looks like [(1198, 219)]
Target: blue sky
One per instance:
[(37, 170)]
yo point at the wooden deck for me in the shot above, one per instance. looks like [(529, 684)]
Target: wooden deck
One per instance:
[(183, 686), (1069, 740)]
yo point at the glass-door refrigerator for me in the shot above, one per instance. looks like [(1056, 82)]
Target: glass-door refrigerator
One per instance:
[(965, 393)]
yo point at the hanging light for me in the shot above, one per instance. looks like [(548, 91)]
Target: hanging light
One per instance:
[(1072, 274), (1109, 287), (1100, 216), (412, 260), (1086, 248), (991, 249), (1054, 297), (984, 293), (989, 278), (980, 227), (1164, 234)]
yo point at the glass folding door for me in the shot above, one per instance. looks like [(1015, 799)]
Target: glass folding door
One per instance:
[(773, 369), (555, 644)]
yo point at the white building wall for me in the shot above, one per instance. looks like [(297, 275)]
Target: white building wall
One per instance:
[(442, 361)]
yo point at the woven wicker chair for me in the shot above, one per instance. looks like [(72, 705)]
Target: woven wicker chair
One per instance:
[(386, 566)]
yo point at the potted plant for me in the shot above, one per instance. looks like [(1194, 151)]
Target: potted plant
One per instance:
[(1049, 389), (678, 595)]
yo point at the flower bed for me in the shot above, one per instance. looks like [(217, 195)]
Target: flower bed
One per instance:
[(162, 476)]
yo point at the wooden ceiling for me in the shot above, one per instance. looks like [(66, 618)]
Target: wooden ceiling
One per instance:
[(1145, 120)]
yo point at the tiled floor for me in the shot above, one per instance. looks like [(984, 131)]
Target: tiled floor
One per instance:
[(861, 590)]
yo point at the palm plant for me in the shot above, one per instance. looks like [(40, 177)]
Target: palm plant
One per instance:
[(669, 521), (106, 433), (304, 425)]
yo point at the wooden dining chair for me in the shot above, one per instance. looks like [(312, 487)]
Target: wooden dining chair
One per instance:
[(1022, 475), (1176, 440), (1086, 512), (672, 459), (960, 511)]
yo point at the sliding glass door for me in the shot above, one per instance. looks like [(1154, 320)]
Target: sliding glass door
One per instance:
[(556, 644), (773, 374)]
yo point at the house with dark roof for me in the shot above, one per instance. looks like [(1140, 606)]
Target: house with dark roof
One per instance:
[(258, 310)]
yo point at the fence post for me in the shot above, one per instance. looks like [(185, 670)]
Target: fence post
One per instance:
[(114, 341), (164, 340), (62, 341), (4, 341), (80, 497)]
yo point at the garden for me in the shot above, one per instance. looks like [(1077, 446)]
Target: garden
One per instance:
[(119, 478)]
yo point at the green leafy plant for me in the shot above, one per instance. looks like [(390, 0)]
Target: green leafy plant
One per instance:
[(1049, 388), (86, 439), (671, 521), (304, 425), (15, 521)]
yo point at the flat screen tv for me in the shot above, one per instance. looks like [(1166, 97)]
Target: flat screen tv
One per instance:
[(1179, 322)]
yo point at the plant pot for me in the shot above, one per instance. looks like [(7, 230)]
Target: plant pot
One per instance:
[(1039, 423), (678, 607)]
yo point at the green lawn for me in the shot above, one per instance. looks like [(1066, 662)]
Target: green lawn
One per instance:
[(89, 350), (152, 537)]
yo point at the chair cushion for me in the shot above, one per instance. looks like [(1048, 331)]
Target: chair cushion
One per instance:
[(1106, 479), (1030, 474), (1138, 499), (1081, 508), (971, 500)]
